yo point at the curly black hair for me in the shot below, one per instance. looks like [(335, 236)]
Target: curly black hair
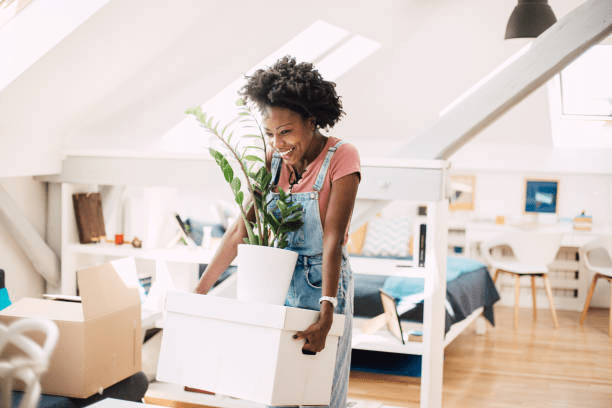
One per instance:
[(296, 86)]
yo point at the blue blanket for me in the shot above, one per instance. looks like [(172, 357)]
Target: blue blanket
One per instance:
[(399, 287)]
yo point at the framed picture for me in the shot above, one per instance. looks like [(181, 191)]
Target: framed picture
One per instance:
[(541, 196), (462, 192), (392, 317)]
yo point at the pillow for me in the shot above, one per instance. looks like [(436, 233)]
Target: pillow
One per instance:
[(388, 237), (356, 240)]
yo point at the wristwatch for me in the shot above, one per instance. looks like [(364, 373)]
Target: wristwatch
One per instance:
[(332, 300)]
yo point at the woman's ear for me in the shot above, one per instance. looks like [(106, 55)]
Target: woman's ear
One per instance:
[(312, 121)]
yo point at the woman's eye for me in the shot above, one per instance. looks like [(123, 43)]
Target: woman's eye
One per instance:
[(284, 132)]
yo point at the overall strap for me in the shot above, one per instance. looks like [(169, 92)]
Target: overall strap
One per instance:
[(275, 167), (321, 176)]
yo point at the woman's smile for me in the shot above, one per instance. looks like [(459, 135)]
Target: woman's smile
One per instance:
[(288, 134), (286, 152)]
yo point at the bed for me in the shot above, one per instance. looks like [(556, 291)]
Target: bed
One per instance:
[(470, 295)]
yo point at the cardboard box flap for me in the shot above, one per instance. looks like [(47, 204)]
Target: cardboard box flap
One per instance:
[(104, 292), (249, 313), (45, 309)]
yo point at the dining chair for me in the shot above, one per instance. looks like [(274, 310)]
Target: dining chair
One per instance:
[(524, 253), (596, 259)]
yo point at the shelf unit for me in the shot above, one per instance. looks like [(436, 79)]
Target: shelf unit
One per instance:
[(181, 261), (456, 240)]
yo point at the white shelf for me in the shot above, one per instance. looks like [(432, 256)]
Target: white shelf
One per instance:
[(383, 340), (177, 254), (381, 266)]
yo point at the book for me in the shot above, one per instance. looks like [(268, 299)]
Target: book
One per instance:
[(184, 235), (422, 239), (89, 217)]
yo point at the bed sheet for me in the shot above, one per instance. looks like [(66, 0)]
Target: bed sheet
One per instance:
[(468, 287)]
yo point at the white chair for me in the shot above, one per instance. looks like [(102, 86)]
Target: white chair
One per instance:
[(528, 254), (29, 363), (596, 257)]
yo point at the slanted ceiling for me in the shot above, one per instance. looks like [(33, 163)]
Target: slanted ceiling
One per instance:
[(125, 76)]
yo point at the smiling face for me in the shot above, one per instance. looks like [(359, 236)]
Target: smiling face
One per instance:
[(288, 133)]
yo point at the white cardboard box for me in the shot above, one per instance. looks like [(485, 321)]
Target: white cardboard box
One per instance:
[(245, 350)]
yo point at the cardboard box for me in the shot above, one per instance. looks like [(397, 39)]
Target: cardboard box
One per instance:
[(100, 339), (245, 350)]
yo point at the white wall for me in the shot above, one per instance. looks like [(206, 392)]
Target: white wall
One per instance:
[(21, 278), (501, 192), (125, 77), (147, 66)]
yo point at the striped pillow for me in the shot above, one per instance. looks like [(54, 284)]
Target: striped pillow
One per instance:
[(388, 237)]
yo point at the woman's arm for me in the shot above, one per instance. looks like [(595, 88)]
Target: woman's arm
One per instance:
[(337, 218), (224, 255)]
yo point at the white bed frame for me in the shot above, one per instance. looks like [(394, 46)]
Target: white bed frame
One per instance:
[(381, 339)]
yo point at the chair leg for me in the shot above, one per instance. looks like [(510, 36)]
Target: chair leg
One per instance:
[(533, 297), (610, 322), (588, 298), (517, 293), (553, 311), (497, 271)]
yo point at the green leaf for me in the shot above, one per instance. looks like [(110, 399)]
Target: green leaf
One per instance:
[(216, 155), (228, 172), (266, 178), (235, 184), (239, 197), (253, 158)]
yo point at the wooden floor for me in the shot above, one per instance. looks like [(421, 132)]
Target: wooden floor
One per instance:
[(534, 366)]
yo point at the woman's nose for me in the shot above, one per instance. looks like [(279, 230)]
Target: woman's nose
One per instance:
[(275, 142)]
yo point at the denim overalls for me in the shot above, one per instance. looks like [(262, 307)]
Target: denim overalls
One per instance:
[(305, 288)]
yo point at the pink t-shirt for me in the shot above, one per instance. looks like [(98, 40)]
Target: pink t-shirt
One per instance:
[(345, 161)]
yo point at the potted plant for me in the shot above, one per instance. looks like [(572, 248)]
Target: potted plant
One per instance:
[(241, 158)]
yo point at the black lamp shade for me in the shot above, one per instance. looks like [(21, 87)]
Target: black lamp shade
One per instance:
[(529, 19)]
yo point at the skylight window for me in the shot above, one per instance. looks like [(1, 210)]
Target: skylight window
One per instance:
[(586, 85), (333, 49), (580, 100)]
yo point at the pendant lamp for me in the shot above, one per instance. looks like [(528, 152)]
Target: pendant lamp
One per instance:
[(529, 19)]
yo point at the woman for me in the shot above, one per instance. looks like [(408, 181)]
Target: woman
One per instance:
[(323, 174)]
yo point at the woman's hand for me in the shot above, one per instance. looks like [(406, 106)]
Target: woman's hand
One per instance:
[(316, 334)]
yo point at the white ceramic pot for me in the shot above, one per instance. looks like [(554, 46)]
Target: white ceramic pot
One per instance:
[(264, 273)]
